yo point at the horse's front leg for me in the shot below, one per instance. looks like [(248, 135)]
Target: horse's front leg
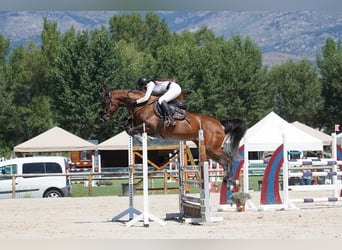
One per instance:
[(133, 130), (136, 132)]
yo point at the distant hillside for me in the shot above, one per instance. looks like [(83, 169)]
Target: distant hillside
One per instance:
[(280, 35)]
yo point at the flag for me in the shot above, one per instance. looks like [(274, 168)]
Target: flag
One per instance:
[(337, 127)]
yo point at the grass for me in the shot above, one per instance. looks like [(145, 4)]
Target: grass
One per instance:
[(114, 187)]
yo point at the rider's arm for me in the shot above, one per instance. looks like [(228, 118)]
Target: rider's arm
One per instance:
[(149, 89)]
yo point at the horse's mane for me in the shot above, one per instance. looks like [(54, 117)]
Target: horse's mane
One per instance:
[(133, 91), (126, 90), (137, 92)]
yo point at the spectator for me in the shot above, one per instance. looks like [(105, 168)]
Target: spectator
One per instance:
[(306, 179)]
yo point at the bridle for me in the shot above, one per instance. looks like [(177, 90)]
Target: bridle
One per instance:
[(108, 105)]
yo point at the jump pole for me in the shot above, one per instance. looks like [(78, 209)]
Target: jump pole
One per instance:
[(145, 215), (190, 207), (130, 210), (270, 197)]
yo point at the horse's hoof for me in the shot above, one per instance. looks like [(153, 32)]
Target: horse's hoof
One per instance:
[(230, 184), (139, 138), (151, 137)]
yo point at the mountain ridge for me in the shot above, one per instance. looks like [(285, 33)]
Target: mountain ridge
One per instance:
[(297, 34)]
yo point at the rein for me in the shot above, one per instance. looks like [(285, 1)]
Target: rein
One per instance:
[(138, 108)]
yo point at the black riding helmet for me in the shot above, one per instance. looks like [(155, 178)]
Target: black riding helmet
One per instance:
[(142, 81)]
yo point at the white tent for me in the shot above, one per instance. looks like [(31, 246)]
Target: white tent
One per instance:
[(267, 135), (120, 142), (55, 140), (339, 139), (327, 139), (117, 142)]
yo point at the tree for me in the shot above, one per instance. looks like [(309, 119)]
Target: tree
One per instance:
[(242, 92), (145, 34), (296, 91), (51, 44), (130, 28), (330, 65), (157, 33), (25, 72), (6, 100), (222, 78), (86, 62)]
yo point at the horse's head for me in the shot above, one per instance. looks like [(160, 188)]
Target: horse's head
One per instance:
[(112, 100), (108, 106)]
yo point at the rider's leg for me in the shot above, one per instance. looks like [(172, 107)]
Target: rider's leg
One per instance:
[(166, 109), (173, 92)]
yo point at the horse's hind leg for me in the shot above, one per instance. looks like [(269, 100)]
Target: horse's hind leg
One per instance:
[(227, 162), (228, 178)]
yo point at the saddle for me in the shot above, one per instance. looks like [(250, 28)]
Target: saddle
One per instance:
[(178, 109)]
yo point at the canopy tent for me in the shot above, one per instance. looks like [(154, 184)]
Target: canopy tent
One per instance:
[(267, 135), (120, 142), (325, 138), (117, 142), (55, 140), (339, 139)]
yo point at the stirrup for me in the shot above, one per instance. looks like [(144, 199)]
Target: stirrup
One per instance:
[(169, 121)]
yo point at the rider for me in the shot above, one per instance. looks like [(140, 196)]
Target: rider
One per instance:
[(168, 90)]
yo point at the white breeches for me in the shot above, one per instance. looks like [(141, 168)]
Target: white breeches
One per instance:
[(174, 91)]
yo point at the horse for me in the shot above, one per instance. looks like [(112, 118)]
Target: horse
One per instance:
[(221, 138)]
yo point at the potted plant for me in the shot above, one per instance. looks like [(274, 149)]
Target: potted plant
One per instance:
[(240, 199)]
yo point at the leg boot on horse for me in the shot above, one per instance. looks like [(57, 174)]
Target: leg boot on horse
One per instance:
[(168, 115)]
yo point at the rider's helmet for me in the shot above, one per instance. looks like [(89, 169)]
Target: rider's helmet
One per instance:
[(142, 81)]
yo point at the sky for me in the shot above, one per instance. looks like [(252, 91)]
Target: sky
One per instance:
[(154, 5)]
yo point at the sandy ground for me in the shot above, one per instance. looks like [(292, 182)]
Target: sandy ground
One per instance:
[(91, 218)]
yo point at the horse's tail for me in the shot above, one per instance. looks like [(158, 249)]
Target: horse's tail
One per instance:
[(236, 128)]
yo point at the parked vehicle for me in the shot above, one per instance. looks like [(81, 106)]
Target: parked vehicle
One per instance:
[(35, 186)]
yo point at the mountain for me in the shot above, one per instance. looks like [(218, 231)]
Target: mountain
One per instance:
[(280, 35)]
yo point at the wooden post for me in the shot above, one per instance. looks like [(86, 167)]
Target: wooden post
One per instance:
[(165, 182), (13, 187), (90, 185)]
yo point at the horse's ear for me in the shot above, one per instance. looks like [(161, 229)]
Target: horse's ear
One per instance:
[(104, 90)]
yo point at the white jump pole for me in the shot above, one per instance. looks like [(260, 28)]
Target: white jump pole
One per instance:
[(146, 215), (334, 155), (287, 202)]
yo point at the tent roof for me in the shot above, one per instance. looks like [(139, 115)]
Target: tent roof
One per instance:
[(267, 135), (55, 140), (117, 142), (327, 139), (121, 140)]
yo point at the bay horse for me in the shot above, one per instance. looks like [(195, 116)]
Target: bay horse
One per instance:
[(221, 138)]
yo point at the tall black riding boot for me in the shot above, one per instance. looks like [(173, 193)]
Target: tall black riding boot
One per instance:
[(166, 109)]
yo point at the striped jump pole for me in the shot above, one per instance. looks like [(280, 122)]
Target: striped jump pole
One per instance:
[(312, 200), (145, 216), (194, 209), (130, 211), (270, 187)]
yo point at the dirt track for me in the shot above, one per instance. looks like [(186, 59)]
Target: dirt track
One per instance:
[(90, 218)]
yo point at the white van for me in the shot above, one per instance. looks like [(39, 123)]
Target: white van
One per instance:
[(34, 186)]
